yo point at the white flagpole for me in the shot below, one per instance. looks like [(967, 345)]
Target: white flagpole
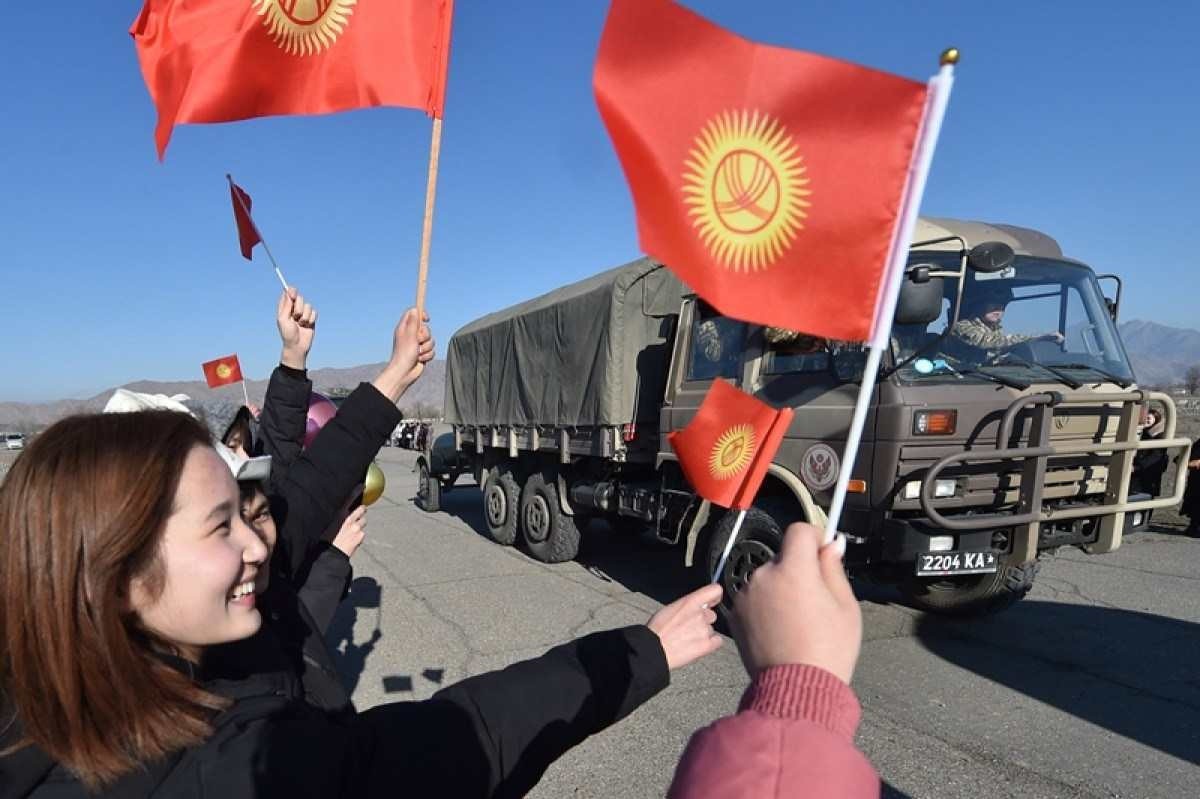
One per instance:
[(245, 393), (935, 111), (737, 527)]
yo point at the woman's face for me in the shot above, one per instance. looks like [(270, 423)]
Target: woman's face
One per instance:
[(210, 559), (256, 512)]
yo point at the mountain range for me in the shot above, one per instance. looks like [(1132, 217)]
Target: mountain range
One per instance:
[(1160, 355), (26, 416)]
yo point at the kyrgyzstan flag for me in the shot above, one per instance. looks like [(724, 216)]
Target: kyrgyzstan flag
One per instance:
[(725, 449), (222, 371), (770, 180), (248, 234), (224, 60)]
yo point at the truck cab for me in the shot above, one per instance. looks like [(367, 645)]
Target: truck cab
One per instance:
[(1003, 424)]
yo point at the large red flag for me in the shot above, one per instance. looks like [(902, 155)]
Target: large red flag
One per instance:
[(224, 60), (222, 371), (725, 449), (248, 234), (769, 179)]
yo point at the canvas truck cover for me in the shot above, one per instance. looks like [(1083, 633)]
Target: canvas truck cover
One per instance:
[(592, 353)]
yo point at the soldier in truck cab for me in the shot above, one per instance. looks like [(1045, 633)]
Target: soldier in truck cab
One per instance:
[(980, 323)]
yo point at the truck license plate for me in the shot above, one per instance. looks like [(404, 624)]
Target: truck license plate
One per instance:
[(940, 564)]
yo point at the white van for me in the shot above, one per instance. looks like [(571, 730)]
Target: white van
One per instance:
[(14, 441)]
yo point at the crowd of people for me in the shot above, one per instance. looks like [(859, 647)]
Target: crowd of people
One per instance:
[(168, 573)]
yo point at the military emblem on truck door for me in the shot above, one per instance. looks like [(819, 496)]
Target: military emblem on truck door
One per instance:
[(819, 469), (745, 188)]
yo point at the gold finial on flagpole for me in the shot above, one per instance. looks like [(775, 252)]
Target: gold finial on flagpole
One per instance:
[(949, 57)]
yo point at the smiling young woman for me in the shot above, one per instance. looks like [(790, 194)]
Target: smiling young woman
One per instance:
[(121, 546)]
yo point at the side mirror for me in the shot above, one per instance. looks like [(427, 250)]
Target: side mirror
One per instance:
[(920, 298), (1111, 305), (991, 256)]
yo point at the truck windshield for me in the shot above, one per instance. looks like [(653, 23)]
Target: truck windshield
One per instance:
[(1041, 321)]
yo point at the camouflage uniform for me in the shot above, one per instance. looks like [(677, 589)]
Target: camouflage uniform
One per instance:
[(980, 334)]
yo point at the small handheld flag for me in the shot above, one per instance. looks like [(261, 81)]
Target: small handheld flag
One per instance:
[(225, 60), (248, 233), (725, 450), (222, 371), (770, 180)]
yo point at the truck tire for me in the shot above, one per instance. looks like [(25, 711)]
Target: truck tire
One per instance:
[(429, 494), (972, 595), (550, 535), (501, 505), (758, 542)]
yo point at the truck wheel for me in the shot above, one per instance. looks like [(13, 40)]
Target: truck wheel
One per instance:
[(758, 542), (501, 504), (550, 535), (429, 495), (971, 595)]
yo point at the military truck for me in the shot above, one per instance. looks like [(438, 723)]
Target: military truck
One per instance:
[(992, 437)]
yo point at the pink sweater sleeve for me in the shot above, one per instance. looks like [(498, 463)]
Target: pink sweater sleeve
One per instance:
[(793, 736)]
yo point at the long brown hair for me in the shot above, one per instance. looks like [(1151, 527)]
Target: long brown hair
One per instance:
[(81, 514)]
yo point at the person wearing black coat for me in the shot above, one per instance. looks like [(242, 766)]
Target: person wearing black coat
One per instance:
[(1149, 465), (286, 735)]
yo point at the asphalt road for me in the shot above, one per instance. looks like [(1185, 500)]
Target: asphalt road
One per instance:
[(1087, 688)]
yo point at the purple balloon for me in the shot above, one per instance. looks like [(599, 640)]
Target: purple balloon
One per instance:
[(320, 410)]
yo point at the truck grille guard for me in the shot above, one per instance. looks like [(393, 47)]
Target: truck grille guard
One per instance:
[(1029, 512)]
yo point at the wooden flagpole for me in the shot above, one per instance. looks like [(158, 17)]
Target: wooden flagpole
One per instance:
[(435, 149)]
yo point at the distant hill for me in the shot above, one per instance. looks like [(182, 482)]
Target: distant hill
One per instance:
[(28, 415), (1160, 354)]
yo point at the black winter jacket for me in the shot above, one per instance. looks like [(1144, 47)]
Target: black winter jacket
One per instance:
[(493, 735), (309, 577)]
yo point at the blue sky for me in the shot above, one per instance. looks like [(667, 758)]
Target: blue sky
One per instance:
[(1077, 118)]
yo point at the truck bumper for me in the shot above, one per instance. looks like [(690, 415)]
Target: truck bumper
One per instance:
[(904, 539)]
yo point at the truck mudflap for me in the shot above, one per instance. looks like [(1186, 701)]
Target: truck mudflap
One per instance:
[(1029, 513)]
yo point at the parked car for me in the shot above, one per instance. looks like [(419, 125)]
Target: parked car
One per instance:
[(14, 441)]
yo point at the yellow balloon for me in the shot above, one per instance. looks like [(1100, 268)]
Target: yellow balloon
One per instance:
[(374, 484)]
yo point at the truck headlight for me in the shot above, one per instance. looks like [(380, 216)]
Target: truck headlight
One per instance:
[(942, 489)]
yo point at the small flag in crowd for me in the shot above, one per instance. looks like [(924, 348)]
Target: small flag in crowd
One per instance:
[(248, 234), (725, 449), (225, 60), (770, 180), (222, 371)]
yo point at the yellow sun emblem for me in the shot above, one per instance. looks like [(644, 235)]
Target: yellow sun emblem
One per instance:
[(223, 370), (305, 27), (732, 452), (745, 189)]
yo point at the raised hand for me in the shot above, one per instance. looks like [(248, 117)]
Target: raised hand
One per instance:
[(800, 608), (412, 348), (353, 532), (685, 626), (297, 323)]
